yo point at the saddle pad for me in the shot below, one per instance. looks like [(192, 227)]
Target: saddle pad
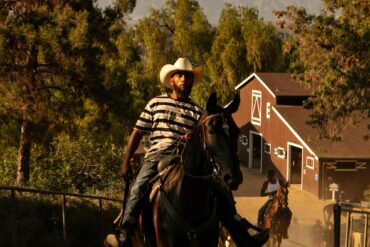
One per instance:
[(158, 181)]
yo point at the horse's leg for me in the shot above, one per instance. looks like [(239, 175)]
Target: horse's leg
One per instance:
[(136, 239), (223, 237), (271, 241), (279, 239), (275, 242)]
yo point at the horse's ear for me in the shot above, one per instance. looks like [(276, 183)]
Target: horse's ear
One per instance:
[(212, 102), (234, 105)]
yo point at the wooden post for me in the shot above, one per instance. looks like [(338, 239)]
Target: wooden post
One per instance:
[(366, 228), (13, 223), (337, 213), (65, 235)]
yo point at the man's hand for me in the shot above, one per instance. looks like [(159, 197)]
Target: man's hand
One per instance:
[(273, 193), (126, 171), (133, 143)]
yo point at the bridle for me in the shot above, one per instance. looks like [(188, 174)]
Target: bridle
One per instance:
[(282, 201), (192, 232), (216, 167)]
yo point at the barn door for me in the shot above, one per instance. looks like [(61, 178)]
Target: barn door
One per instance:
[(295, 164), (255, 146)]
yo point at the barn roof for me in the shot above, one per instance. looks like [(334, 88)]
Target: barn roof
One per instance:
[(352, 144), (278, 84)]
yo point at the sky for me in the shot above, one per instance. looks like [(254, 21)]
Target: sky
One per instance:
[(212, 11)]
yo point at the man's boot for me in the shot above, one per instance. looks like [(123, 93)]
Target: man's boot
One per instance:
[(125, 233), (237, 228), (245, 224)]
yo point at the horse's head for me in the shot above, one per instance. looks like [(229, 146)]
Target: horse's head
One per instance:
[(221, 139), (282, 195)]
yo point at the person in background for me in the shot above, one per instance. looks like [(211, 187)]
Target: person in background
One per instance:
[(269, 188)]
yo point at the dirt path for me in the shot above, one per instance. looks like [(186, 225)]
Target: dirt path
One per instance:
[(307, 210)]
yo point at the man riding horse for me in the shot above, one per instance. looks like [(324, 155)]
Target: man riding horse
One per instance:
[(166, 118), (269, 188)]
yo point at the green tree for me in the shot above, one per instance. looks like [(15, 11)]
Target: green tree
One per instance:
[(180, 28), (331, 53), (243, 44), (52, 58)]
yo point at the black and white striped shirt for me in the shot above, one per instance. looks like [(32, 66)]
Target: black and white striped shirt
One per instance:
[(165, 120)]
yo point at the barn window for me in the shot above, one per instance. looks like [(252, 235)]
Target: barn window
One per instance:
[(267, 148), (243, 140), (280, 152), (345, 165), (256, 107), (310, 162), (268, 110)]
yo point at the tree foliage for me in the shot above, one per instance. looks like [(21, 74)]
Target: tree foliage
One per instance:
[(179, 29), (54, 56), (243, 44), (331, 53), (74, 78)]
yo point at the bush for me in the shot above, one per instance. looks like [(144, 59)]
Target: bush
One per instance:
[(81, 164), (8, 165)]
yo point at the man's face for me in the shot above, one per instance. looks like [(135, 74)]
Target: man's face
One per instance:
[(182, 83), (271, 178)]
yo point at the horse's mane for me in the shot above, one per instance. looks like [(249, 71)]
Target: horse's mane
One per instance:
[(176, 174)]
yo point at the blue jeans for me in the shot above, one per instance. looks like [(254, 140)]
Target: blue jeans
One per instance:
[(140, 189)]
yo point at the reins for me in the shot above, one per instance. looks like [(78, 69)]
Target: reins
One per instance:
[(216, 167), (193, 232)]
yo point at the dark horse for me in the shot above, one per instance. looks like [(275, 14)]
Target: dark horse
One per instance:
[(184, 209), (183, 205), (277, 216)]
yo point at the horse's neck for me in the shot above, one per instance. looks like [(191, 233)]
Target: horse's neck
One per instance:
[(194, 157), (191, 189)]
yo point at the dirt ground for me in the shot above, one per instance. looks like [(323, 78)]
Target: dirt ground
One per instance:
[(306, 208)]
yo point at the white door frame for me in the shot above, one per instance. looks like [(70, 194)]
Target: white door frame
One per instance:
[(288, 170), (251, 133)]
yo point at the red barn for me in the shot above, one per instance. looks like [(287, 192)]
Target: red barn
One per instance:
[(274, 134)]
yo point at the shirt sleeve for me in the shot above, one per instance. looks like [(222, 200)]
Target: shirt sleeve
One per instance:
[(145, 121)]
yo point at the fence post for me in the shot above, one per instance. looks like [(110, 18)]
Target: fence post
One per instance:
[(64, 221), (101, 222), (14, 228), (366, 228), (337, 213)]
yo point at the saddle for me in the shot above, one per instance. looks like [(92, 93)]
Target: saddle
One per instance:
[(166, 161)]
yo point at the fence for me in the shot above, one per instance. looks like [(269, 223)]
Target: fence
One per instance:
[(357, 224), (13, 190)]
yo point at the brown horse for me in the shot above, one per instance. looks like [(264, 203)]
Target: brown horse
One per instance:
[(278, 216)]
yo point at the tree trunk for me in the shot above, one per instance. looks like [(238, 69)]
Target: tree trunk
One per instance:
[(23, 170)]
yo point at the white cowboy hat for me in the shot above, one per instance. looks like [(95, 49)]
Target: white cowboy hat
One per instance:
[(182, 64)]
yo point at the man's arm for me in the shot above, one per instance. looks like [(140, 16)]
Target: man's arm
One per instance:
[(263, 189), (132, 145)]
